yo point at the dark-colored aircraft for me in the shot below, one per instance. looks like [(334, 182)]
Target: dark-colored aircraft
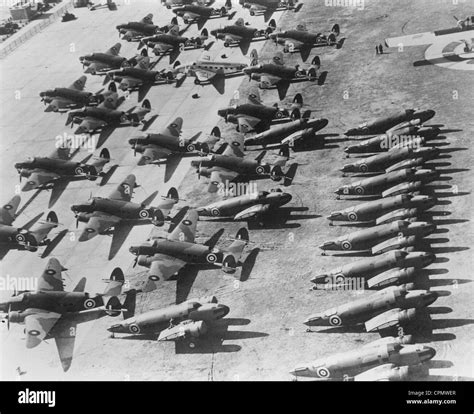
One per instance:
[(101, 62), (200, 14), (166, 256), (186, 320), (381, 162), (167, 146), (295, 134), (247, 206), (378, 183), (371, 210), (255, 116), (57, 170), (133, 31), (241, 35), (22, 238), (72, 97), (230, 166), (268, 7), (118, 212), (303, 41), (50, 312), (384, 123), (176, 3), (387, 308), (373, 360), (372, 266), (365, 239), (276, 74), (106, 115)]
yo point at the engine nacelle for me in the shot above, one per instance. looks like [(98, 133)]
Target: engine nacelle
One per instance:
[(140, 148), (205, 172), (144, 260), (206, 312), (16, 317), (256, 77)]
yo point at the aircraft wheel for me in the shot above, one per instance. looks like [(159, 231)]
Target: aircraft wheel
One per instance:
[(252, 13), (197, 81), (226, 44)]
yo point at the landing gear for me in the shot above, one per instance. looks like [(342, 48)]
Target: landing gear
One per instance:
[(197, 81)]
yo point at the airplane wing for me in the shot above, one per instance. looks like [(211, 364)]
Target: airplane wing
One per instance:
[(79, 84), (9, 210), (59, 103), (162, 268), (114, 50), (217, 79), (64, 333), (282, 87), (121, 231), (58, 188), (124, 190), (41, 177), (305, 51), (247, 123), (154, 153), (38, 324), (166, 204), (96, 67), (111, 101), (99, 223), (234, 147), (172, 163), (90, 124), (186, 229), (244, 45), (175, 127), (219, 176), (51, 279)]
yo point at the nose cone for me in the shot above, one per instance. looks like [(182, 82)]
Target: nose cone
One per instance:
[(328, 245), (300, 371), (335, 215), (314, 320), (353, 131), (426, 353), (347, 168), (318, 123), (285, 198), (115, 328)]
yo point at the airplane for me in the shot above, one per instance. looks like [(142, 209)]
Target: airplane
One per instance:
[(206, 71), (100, 62), (165, 256), (241, 35), (365, 239), (372, 266), (175, 3), (378, 183), (296, 134), (51, 312), (72, 97), (230, 166), (278, 75), (22, 238), (392, 136), (133, 31), (391, 307), (118, 212), (303, 41), (186, 320), (173, 43), (167, 145), (253, 115), (57, 170), (200, 14), (106, 115), (393, 277), (382, 124), (268, 7), (371, 210), (139, 77), (385, 160), (246, 206), (382, 353)]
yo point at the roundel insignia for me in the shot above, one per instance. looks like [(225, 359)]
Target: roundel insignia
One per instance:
[(236, 144), (154, 278), (352, 216), (8, 207), (187, 222), (34, 332), (323, 372), (51, 272), (173, 125), (359, 190), (346, 245), (211, 258), (134, 328), (335, 320), (89, 303), (339, 278), (214, 182)]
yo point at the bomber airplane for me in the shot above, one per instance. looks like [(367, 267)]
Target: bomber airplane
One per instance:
[(165, 256), (268, 7), (371, 210), (372, 266), (50, 312), (167, 145), (241, 35), (22, 238), (296, 134), (173, 43), (106, 115), (230, 166), (388, 183), (247, 206), (133, 31), (186, 320), (72, 97), (118, 212), (391, 307), (206, 71), (100, 62), (175, 3), (382, 124), (277, 74), (200, 14), (303, 41), (365, 239), (368, 360), (57, 170), (255, 116)]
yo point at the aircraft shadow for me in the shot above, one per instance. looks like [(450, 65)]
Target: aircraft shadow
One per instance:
[(248, 264), (50, 247)]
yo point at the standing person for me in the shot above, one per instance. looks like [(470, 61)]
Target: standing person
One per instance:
[(376, 50), (381, 49)]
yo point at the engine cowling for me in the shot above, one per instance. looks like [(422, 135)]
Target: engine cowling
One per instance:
[(390, 319), (144, 260), (183, 330), (16, 317)]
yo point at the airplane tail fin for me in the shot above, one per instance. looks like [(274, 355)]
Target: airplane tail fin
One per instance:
[(115, 283), (298, 101), (9, 210), (306, 114), (290, 174), (112, 87), (173, 194), (105, 154), (81, 285), (271, 26), (43, 230), (284, 151), (144, 53), (295, 114), (146, 104), (204, 34), (235, 250), (216, 132), (129, 304), (253, 57)]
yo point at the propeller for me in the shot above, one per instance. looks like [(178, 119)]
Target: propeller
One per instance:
[(8, 316), (199, 171), (77, 221), (135, 261)]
